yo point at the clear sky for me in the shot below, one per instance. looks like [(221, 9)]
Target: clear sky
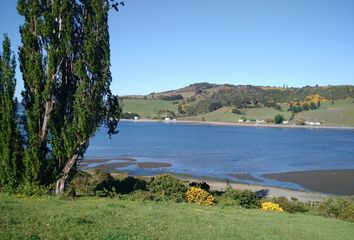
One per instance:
[(160, 45)]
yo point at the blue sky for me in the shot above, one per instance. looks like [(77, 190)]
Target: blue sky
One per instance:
[(160, 45)]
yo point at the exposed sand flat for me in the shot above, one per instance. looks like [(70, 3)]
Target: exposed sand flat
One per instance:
[(335, 181), (153, 165), (105, 160), (245, 176), (112, 166)]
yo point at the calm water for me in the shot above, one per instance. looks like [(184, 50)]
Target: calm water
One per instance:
[(216, 151)]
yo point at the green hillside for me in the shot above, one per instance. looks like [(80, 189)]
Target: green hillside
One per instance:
[(148, 108), (104, 218)]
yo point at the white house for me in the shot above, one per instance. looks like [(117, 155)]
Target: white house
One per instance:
[(285, 122), (240, 120), (136, 117)]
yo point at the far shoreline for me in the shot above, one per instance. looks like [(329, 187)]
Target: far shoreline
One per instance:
[(236, 124)]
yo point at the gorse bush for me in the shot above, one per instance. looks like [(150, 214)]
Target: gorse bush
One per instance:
[(290, 206), (244, 198), (337, 208), (168, 187), (199, 196), (270, 206)]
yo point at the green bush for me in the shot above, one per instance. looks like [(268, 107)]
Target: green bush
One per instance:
[(32, 190), (236, 111), (244, 198), (96, 183), (130, 184), (144, 196), (168, 187), (291, 206), (278, 119), (337, 208)]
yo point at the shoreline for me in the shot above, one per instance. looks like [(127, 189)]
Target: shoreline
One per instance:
[(236, 124), (304, 196)]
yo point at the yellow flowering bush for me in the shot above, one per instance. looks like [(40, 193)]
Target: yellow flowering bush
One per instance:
[(199, 196), (269, 206)]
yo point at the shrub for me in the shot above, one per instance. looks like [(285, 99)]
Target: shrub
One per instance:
[(199, 196), (244, 198), (31, 190), (300, 121), (236, 111), (338, 208), (91, 184), (290, 206), (144, 196), (201, 185), (130, 184), (269, 206), (278, 119), (168, 187)]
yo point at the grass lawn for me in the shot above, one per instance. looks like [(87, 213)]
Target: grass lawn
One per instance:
[(102, 218), (148, 107)]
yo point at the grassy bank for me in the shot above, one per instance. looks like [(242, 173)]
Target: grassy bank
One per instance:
[(104, 218)]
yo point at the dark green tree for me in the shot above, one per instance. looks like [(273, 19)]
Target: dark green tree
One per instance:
[(278, 119), (65, 62), (10, 140)]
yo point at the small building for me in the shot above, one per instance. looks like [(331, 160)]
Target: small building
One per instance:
[(240, 120), (136, 117), (167, 119), (317, 123), (285, 122), (248, 121)]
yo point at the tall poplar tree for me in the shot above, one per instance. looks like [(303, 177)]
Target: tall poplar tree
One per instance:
[(10, 140), (65, 62)]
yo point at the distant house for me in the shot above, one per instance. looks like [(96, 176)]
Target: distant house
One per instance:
[(317, 123), (248, 121), (136, 117), (167, 119), (285, 122), (240, 120)]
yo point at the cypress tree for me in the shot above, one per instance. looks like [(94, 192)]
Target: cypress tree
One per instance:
[(65, 61), (10, 140)]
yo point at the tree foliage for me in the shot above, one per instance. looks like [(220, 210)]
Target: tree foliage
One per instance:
[(10, 140), (65, 63)]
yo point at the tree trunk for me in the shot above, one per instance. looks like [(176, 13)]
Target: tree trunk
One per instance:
[(61, 182)]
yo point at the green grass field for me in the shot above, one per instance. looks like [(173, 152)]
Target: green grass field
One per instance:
[(148, 107), (104, 218), (340, 114)]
